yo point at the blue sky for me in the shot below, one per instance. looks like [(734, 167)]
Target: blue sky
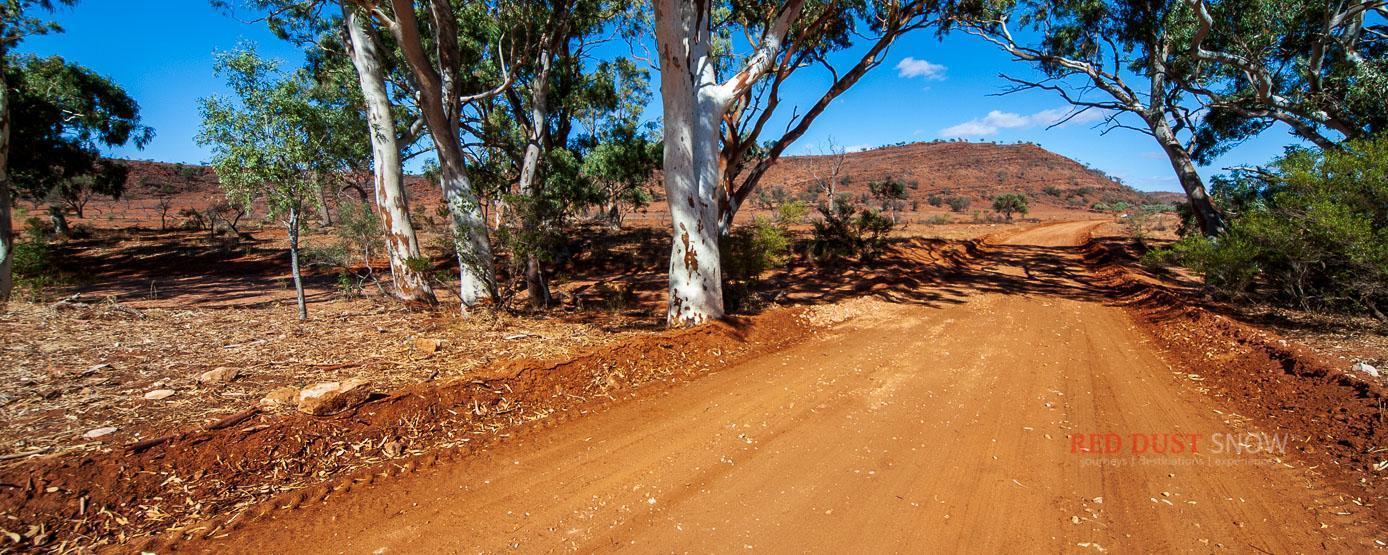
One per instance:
[(926, 89)]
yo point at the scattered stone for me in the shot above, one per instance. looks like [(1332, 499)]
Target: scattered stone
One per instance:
[(280, 396), (1365, 368), (159, 394), (99, 432), (333, 397), (219, 374), (428, 346), (94, 369)]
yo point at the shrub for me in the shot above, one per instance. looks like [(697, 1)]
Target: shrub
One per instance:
[(1313, 233), (849, 231), (193, 220), (1009, 204), (360, 230), (957, 204), (748, 252), (792, 212)]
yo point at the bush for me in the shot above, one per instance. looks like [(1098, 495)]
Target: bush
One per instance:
[(1312, 234), (747, 253), (848, 231), (1009, 204), (35, 270), (957, 204), (360, 230)]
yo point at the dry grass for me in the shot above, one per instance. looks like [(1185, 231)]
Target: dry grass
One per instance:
[(65, 370)]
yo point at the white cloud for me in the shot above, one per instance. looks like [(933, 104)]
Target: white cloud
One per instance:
[(997, 120), (911, 68)]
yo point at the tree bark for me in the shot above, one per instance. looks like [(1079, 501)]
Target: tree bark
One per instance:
[(438, 101), (402, 245), (694, 103), (690, 163), (1210, 221), (294, 262), (6, 227), (535, 283), (325, 214), (614, 213)]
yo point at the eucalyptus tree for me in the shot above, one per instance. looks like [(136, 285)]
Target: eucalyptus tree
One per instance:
[(63, 114), (268, 142), (1317, 66), (624, 152), (334, 31), (16, 22), (1118, 56), (557, 80), (826, 29), (455, 57), (716, 104)]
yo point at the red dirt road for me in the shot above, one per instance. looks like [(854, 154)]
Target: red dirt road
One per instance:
[(938, 425)]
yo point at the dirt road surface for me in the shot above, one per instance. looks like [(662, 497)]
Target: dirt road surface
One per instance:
[(940, 425)]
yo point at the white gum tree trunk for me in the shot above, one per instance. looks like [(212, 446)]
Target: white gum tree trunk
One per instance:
[(536, 139), (440, 103), (401, 242), (694, 102), (6, 228)]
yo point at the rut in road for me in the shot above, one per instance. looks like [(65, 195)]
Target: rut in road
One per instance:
[(914, 426)]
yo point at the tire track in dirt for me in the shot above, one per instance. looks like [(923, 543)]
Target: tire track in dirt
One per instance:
[(925, 425)]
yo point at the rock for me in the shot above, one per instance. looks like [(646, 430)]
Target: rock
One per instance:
[(333, 397), (392, 449), (219, 374), (1364, 368), (428, 346), (281, 396), (159, 394), (99, 432)]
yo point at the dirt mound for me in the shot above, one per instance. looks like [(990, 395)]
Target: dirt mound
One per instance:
[(200, 482)]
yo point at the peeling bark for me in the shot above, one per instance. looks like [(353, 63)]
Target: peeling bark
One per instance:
[(694, 103), (439, 102), (1209, 219), (6, 227), (402, 244)]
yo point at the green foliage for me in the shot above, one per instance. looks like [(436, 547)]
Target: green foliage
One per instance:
[(1010, 203), (269, 142), (1140, 223), (64, 115), (792, 212), (1313, 233), (747, 253), (849, 231), (958, 204), (360, 230), (890, 194)]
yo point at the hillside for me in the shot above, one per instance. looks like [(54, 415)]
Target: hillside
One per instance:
[(974, 170)]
